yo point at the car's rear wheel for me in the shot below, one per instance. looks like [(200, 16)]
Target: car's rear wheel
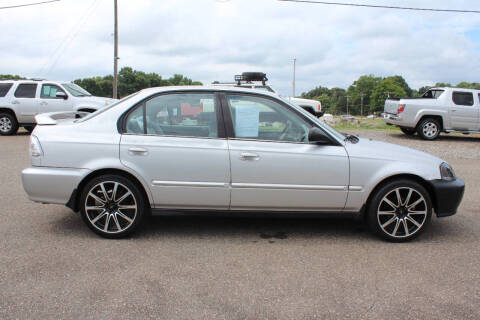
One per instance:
[(8, 124), (408, 131), (429, 129), (112, 206), (400, 210)]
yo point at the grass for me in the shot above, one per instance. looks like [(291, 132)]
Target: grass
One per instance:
[(362, 123)]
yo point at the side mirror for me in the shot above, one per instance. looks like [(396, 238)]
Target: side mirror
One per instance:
[(61, 95), (317, 136)]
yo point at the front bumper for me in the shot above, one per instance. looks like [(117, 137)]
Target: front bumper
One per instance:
[(51, 185), (447, 196)]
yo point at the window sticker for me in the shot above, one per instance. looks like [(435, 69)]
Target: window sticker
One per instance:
[(246, 121)]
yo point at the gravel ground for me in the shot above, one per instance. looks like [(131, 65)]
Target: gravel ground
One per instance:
[(52, 266)]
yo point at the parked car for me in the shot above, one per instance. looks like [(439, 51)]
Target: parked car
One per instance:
[(229, 150), (257, 80), (21, 100), (346, 117), (437, 110)]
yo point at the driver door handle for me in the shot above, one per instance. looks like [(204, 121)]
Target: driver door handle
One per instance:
[(249, 156)]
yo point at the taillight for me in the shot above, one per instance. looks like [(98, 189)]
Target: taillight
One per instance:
[(401, 108)]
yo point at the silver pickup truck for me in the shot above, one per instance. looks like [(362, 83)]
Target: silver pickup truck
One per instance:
[(437, 110)]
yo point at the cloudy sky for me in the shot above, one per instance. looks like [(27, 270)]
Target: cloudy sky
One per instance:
[(211, 40)]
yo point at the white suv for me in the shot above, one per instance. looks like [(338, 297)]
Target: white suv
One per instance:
[(22, 100), (257, 80)]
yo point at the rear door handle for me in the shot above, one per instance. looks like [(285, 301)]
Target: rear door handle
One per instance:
[(249, 156), (43, 103), (138, 151), (15, 102)]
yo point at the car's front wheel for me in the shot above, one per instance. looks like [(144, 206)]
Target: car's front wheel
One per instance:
[(400, 210), (112, 206)]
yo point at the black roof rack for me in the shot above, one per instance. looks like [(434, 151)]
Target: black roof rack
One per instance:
[(251, 76)]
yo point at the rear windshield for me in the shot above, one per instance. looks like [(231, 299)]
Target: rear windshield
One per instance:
[(432, 94), (4, 88)]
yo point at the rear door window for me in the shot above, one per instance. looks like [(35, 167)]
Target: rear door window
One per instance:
[(463, 98), (176, 114), (26, 90), (4, 88)]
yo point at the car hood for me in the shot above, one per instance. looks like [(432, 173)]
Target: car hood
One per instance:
[(100, 101), (369, 148)]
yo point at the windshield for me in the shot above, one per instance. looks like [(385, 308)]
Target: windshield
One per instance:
[(266, 88), (76, 90), (96, 113)]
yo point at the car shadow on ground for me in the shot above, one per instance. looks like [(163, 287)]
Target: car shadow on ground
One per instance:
[(254, 229)]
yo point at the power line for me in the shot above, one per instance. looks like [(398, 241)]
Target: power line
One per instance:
[(381, 6), (28, 4)]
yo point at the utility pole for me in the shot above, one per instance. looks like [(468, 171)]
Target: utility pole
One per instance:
[(347, 105), (115, 52), (293, 83), (361, 105)]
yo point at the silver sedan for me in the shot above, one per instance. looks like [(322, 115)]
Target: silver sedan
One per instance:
[(229, 150)]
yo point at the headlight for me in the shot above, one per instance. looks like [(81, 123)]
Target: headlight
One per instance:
[(35, 147), (446, 172)]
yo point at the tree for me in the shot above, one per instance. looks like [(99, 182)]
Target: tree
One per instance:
[(130, 81), (361, 87), (11, 77), (469, 85), (385, 88), (402, 83)]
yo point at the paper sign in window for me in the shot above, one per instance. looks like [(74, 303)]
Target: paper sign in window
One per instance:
[(246, 121)]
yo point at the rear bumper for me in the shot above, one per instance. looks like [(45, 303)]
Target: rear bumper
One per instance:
[(51, 185), (393, 119), (447, 196)]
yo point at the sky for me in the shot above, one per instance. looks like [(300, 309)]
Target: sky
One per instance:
[(210, 40)]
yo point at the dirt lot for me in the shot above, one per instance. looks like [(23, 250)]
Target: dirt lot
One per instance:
[(52, 266)]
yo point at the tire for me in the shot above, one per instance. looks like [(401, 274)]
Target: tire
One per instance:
[(429, 129), (29, 128), (117, 213), (399, 222), (408, 131), (8, 124)]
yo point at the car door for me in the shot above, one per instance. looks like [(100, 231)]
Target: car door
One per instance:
[(464, 111), (273, 166), (49, 102), (176, 142), (25, 102)]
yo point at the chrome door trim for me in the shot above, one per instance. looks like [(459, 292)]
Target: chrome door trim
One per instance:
[(288, 186), (355, 188), (189, 184)]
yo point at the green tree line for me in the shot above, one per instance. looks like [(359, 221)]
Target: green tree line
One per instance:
[(373, 91), (130, 81)]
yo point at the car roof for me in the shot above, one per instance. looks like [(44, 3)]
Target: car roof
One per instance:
[(207, 88), (32, 81)]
